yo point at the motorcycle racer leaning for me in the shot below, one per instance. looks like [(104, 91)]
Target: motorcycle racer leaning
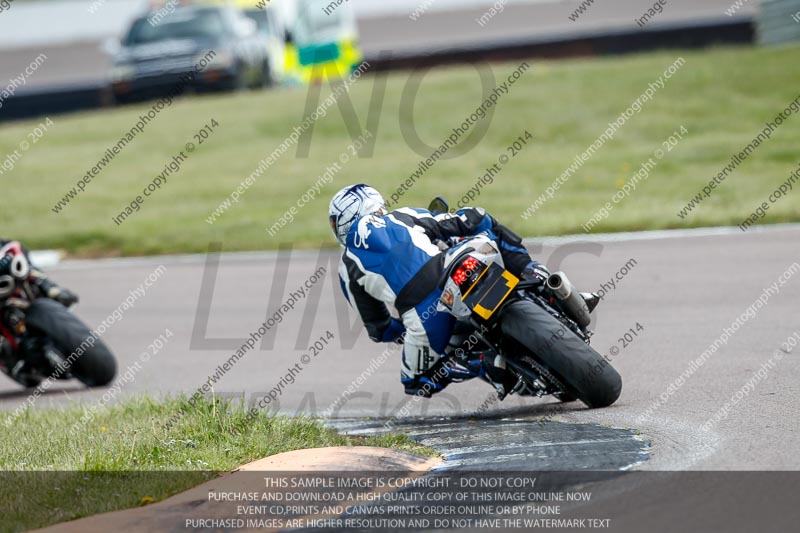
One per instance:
[(394, 259), (20, 363)]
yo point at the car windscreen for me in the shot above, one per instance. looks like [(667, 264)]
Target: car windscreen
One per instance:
[(314, 25), (261, 18), (190, 24)]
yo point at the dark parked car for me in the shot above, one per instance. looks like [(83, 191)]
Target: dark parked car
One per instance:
[(197, 47)]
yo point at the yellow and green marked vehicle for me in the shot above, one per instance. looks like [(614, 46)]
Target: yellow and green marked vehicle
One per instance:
[(323, 42), (308, 40)]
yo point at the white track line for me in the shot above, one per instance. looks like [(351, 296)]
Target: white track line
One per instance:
[(113, 262), (654, 235)]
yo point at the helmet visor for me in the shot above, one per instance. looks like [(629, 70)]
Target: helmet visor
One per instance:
[(333, 219)]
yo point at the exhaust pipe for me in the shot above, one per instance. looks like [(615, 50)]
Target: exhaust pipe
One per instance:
[(570, 298)]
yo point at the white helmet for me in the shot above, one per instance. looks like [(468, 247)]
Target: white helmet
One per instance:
[(350, 204)]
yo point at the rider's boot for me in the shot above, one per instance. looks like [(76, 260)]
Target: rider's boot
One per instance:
[(591, 300), (7, 358), (15, 366), (33, 357), (492, 370), (496, 374)]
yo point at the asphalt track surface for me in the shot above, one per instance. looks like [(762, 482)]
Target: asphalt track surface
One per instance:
[(684, 289), (535, 22)]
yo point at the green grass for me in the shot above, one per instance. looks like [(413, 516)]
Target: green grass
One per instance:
[(722, 96), (51, 472)]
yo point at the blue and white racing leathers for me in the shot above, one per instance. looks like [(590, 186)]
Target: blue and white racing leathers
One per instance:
[(393, 260)]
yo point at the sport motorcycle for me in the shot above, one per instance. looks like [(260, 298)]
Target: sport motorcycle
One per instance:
[(538, 331), (42, 335)]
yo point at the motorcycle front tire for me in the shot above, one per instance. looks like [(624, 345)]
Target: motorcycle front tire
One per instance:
[(96, 366)]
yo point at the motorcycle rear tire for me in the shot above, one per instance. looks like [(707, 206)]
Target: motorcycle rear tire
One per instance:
[(565, 397), (530, 330)]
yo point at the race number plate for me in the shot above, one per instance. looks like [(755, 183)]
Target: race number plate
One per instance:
[(492, 290)]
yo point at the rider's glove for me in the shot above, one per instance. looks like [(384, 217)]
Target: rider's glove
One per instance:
[(535, 271), (51, 290), (65, 297)]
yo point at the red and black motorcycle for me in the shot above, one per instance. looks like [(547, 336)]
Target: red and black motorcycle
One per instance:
[(41, 335)]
